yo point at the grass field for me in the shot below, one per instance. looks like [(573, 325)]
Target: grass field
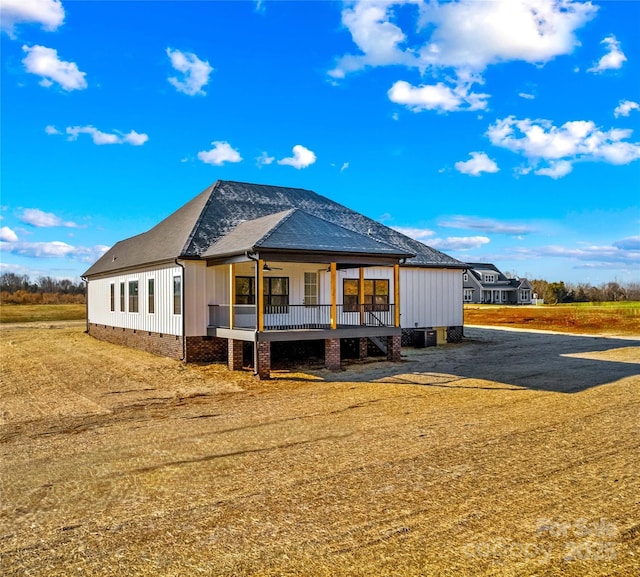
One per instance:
[(507, 455), (621, 318), (34, 313)]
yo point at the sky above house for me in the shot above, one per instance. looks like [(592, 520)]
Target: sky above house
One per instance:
[(503, 131)]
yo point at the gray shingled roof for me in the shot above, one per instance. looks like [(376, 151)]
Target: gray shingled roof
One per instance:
[(217, 211), (296, 230)]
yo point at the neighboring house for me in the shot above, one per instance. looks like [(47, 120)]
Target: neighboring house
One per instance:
[(484, 283), (187, 287)]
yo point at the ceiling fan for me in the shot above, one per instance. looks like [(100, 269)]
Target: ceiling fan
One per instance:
[(266, 267)]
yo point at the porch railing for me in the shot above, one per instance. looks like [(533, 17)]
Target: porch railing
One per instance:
[(291, 317)]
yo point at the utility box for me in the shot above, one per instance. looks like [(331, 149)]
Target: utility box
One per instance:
[(425, 338)]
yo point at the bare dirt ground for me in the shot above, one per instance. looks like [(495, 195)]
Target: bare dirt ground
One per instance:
[(512, 453)]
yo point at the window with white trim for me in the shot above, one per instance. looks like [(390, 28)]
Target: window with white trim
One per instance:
[(310, 289), (133, 296), (468, 295), (151, 296), (177, 295)]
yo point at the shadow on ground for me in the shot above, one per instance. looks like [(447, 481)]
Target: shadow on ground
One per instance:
[(509, 359)]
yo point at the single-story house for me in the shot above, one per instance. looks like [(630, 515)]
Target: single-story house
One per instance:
[(484, 283), (246, 265)]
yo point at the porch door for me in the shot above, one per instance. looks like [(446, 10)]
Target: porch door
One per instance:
[(310, 289)]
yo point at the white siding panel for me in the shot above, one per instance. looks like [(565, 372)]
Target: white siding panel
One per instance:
[(195, 298), (430, 297), (161, 321)]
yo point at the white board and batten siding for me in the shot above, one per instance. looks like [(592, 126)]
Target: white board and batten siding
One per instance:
[(431, 297), (162, 320), (428, 297)]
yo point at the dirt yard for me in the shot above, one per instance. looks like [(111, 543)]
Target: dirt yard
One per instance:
[(509, 454)]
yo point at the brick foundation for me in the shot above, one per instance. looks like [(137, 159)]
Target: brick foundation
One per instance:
[(363, 344), (263, 370), (235, 354), (332, 354), (156, 343), (197, 349), (394, 348), (206, 349)]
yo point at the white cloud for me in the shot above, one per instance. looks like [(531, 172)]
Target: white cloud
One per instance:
[(625, 107), (41, 219), (414, 233), (613, 59), (464, 35), (526, 96), (628, 243), (54, 249), (48, 13), (44, 62), (477, 164), (195, 72), (580, 140), (344, 166), (471, 34), (556, 169), (593, 255), (51, 130), (8, 235), (302, 157), (438, 97), (264, 159), (134, 138), (220, 153), (486, 225), (375, 35), (459, 242)]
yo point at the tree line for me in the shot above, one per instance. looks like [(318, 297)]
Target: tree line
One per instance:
[(20, 289), (559, 292)]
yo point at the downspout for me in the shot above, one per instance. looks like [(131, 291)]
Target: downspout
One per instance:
[(86, 299), (251, 256), (183, 315)]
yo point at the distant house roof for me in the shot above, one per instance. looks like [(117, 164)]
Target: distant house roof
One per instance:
[(194, 229), (478, 268)]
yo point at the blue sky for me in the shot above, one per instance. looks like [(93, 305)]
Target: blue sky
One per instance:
[(505, 131)]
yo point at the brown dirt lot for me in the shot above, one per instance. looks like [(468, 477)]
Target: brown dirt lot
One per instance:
[(511, 453)]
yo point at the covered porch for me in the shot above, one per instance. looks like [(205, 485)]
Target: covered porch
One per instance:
[(303, 278)]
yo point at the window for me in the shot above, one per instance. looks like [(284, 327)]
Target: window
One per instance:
[(466, 277), (276, 293), (350, 295), (177, 295), (468, 295), (525, 295), (151, 295), (122, 297), (245, 290), (310, 289), (489, 278), (376, 295), (112, 297), (133, 296)]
